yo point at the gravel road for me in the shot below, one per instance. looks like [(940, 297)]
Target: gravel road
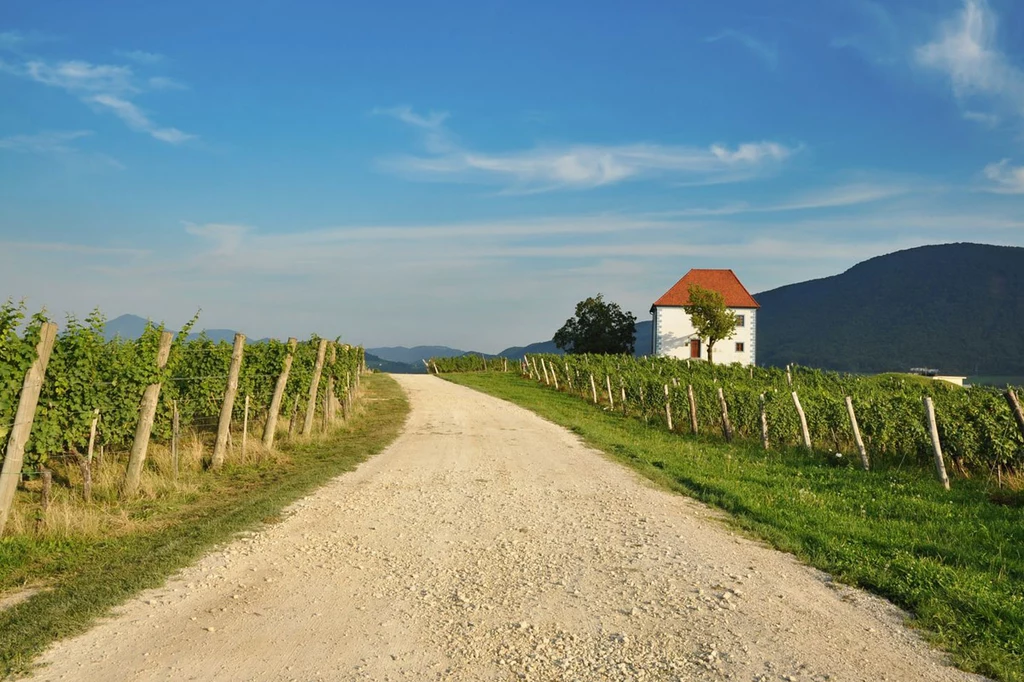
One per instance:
[(488, 544)]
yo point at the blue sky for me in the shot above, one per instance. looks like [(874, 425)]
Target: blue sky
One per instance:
[(463, 173)]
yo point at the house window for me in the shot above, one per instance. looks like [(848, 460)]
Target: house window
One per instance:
[(739, 347), (741, 320)]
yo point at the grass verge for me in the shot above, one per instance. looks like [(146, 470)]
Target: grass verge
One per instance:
[(955, 560), (85, 577)]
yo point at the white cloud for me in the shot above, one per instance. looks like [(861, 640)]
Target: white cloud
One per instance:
[(967, 53), (106, 86), (141, 56), (136, 119), (80, 76), (162, 83), (577, 166), (226, 239), (1006, 179), (769, 54), (51, 142)]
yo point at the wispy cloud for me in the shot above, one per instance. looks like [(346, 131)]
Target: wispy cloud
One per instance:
[(106, 87), (225, 239), (768, 54), (879, 40), (136, 119), (52, 142), (141, 56), (966, 52), (1006, 179), (577, 166), (60, 144)]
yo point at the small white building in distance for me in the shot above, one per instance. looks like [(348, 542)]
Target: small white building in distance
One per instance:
[(674, 335)]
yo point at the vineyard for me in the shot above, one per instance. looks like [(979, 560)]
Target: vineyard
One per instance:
[(981, 430), (100, 399)]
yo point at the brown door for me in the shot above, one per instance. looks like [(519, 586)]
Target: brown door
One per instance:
[(695, 348)]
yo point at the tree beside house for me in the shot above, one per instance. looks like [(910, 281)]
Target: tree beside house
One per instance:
[(676, 335)]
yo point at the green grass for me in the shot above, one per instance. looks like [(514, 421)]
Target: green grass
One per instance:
[(86, 578), (955, 560)]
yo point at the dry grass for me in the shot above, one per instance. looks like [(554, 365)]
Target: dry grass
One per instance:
[(70, 516)]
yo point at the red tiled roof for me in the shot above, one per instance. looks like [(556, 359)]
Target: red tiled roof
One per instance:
[(722, 281)]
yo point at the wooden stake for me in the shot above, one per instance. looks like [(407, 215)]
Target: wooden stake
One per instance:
[(554, 375), (933, 430), (789, 377), (593, 389), (803, 421), (147, 411), (245, 425), (44, 496), (16, 441), (92, 434), (314, 387), (623, 390), (1018, 415), (83, 464), (608, 384), (726, 426), (436, 370), (329, 402), (270, 428), (544, 368), (764, 424), (228, 406), (856, 434), (175, 439), (693, 409), (668, 408)]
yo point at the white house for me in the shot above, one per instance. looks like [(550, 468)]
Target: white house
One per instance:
[(675, 336)]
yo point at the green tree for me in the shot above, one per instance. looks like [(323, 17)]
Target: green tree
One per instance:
[(712, 320), (598, 327)]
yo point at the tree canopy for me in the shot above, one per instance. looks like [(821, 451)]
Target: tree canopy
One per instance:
[(598, 327), (712, 320)]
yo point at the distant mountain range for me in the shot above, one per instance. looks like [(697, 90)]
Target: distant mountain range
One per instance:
[(958, 308), (132, 326)]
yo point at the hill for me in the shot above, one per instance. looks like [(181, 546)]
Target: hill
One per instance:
[(132, 326), (415, 355), (382, 365), (954, 307)]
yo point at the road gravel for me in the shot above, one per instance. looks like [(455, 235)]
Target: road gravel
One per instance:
[(489, 544)]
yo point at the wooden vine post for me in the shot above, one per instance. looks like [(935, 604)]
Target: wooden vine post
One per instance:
[(693, 409), (804, 431), (668, 409), (314, 387), (245, 426), (147, 411), (175, 439), (270, 428), (622, 390), (544, 368), (1018, 415), (554, 375), (855, 427), (764, 424), (92, 434), (329, 403), (933, 430), (608, 385), (14, 457), (593, 389), (220, 447), (726, 425)]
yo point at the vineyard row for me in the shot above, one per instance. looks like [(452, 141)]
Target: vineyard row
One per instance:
[(66, 396), (882, 420)]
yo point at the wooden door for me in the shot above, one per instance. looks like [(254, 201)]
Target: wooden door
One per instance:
[(695, 348)]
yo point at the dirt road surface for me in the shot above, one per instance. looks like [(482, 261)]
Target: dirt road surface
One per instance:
[(488, 544)]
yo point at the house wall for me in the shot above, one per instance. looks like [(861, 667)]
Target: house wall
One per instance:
[(673, 332)]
